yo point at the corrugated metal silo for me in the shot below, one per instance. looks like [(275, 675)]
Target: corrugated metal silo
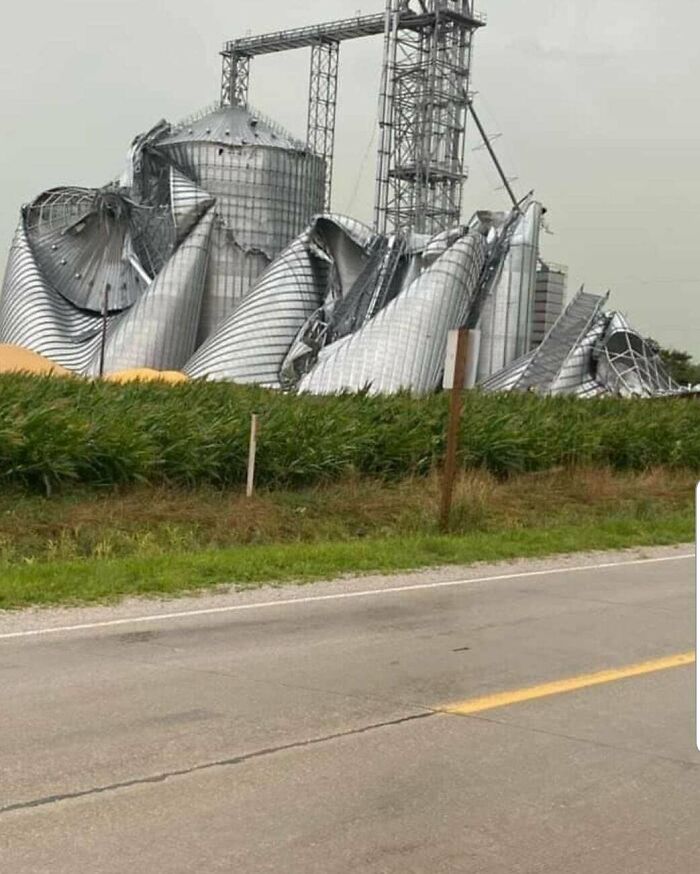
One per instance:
[(267, 187), (506, 318)]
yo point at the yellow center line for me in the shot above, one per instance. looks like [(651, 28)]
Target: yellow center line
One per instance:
[(572, 684)]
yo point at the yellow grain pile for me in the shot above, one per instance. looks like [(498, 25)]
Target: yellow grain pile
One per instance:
[(14, 359), (145, 374)]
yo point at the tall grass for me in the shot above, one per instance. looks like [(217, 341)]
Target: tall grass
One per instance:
[(54, 432)]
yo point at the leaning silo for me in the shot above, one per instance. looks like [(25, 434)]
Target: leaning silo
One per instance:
[(506, 318), (267, 187)]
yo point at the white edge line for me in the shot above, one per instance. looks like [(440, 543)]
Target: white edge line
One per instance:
[(339, 596)]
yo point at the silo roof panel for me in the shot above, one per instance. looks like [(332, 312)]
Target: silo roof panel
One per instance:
[(232, 125)]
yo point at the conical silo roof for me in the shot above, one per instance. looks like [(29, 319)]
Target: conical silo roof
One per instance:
[(234, 126)]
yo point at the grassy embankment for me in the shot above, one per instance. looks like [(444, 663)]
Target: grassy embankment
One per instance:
[(110, 490)]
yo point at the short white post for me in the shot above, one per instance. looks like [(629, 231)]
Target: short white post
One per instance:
[(252, 453)]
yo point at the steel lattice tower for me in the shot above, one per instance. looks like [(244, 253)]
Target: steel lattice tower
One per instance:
[(423, 102), (323, 94), (235, 78), (423, 113)]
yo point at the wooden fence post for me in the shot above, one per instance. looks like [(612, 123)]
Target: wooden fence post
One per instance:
[(449, 472), (252, 454)]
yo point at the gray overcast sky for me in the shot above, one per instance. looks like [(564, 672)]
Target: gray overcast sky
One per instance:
[(595, 100)]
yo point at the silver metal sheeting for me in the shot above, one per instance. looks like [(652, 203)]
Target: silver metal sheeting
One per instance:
[(160, 330), (79, 238), (265, 197), (34, 316), (141, 250), (178, 267), (403, 347), (344, 308), (588, 353), (233, 126), (507, 316), (252, 343)]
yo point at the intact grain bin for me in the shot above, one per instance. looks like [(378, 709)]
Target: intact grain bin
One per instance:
[(267, 187)]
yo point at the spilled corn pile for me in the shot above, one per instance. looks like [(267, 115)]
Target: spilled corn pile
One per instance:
[(15, 359)]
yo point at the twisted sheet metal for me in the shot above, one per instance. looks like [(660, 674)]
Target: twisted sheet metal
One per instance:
[(160, 330), (508, 378), (250, 346), (362, 273), (507, 315), (267, 189), (588, 353), (35, 317), (629, 366), (80, 238), (188, 203), (345, 243), (563, 362), (329, 229), (403, 347), (577, 373)]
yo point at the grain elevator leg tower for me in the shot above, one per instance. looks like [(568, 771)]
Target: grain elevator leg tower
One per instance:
[(423, 102), (422, 116)]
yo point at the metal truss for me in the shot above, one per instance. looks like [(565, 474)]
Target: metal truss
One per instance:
[(323, 92), (423, 103), (423, 112), (235, 78), (305, 37), (237, 53), (631, 365)]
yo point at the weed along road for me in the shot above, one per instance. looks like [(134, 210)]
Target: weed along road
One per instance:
[(535, 717)]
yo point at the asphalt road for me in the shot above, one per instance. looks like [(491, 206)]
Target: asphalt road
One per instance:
[(324, 730)]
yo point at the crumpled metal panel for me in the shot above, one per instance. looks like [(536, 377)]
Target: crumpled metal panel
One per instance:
[(362, 276), (138, 173), (508, 378), (35, 317), (188, 203), (563, 362), (588, 353), (403, 346), (250, 346), (160, 330), (589, 388), (346, 244), (136, 248), (578, 369), (358, 232), (80, 239), (627, 365), (506, 319), (266, 189)]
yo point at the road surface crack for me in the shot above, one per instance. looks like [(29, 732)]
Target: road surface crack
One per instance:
[(209, 766)]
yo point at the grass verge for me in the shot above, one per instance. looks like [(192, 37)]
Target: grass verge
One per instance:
[(97, 545), (248, 567)]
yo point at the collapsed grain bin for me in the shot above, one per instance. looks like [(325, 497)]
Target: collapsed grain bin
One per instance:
[(139, 273), (266, 186), (217, 253)]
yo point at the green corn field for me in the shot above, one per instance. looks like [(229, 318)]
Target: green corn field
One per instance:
[(58, 432)]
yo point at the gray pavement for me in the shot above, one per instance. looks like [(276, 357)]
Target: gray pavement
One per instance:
[(299, 729)]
